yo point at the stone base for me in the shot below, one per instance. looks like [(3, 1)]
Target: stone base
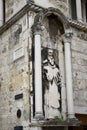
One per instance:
[(55, 123), (36, 128), (73, 122), (39, 116)]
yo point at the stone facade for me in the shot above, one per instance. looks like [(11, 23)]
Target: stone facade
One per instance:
[(12, 7), (14, 75), (31, 29), (79, 59)]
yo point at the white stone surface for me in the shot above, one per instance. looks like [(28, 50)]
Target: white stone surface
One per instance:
[(79, 10), (69, 80), (80, 109), (1, 12), (38, 76), (35, 128)]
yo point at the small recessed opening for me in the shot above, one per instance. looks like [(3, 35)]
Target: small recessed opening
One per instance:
[(18, 113)]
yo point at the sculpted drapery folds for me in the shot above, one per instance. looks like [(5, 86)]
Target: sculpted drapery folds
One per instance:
[(51, 86)]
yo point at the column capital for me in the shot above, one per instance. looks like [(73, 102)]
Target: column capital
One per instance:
[(67, 36), (37, 28)]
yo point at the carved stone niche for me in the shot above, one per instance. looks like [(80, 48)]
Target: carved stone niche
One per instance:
[(53, 29), (52, 50)]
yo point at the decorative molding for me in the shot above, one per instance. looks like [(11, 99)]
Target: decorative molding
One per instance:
[(60, 15), (79, 25), (30, 6)]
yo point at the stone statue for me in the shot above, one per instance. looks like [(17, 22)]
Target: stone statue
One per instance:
[(52, 87)]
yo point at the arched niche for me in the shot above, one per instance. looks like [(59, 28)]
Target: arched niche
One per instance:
[(39, 18), (49, 26), (52, 67)]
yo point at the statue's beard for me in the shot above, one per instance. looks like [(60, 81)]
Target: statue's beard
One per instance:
[(51, 62)]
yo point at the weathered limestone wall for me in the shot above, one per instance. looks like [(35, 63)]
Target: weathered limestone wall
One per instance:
[(12, 7), (60, 4), (14, 75), (79, 68), (16, 65)]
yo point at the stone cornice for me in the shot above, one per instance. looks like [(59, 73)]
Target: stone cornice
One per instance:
[(30, 6), (79, 25)]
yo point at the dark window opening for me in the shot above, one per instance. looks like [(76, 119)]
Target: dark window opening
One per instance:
[(73, 9), (84, 10), (3, 11)]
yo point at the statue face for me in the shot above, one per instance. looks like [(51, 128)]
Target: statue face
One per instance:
[(50, 52), (50, 57)]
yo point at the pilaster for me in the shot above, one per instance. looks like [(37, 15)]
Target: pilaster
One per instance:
[(38, 72), (1, 13), (68, 72)]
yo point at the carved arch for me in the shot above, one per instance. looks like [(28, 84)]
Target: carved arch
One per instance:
[(44, 13), (36, 28)]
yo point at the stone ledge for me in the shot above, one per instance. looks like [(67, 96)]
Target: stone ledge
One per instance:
[(52, 123)]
